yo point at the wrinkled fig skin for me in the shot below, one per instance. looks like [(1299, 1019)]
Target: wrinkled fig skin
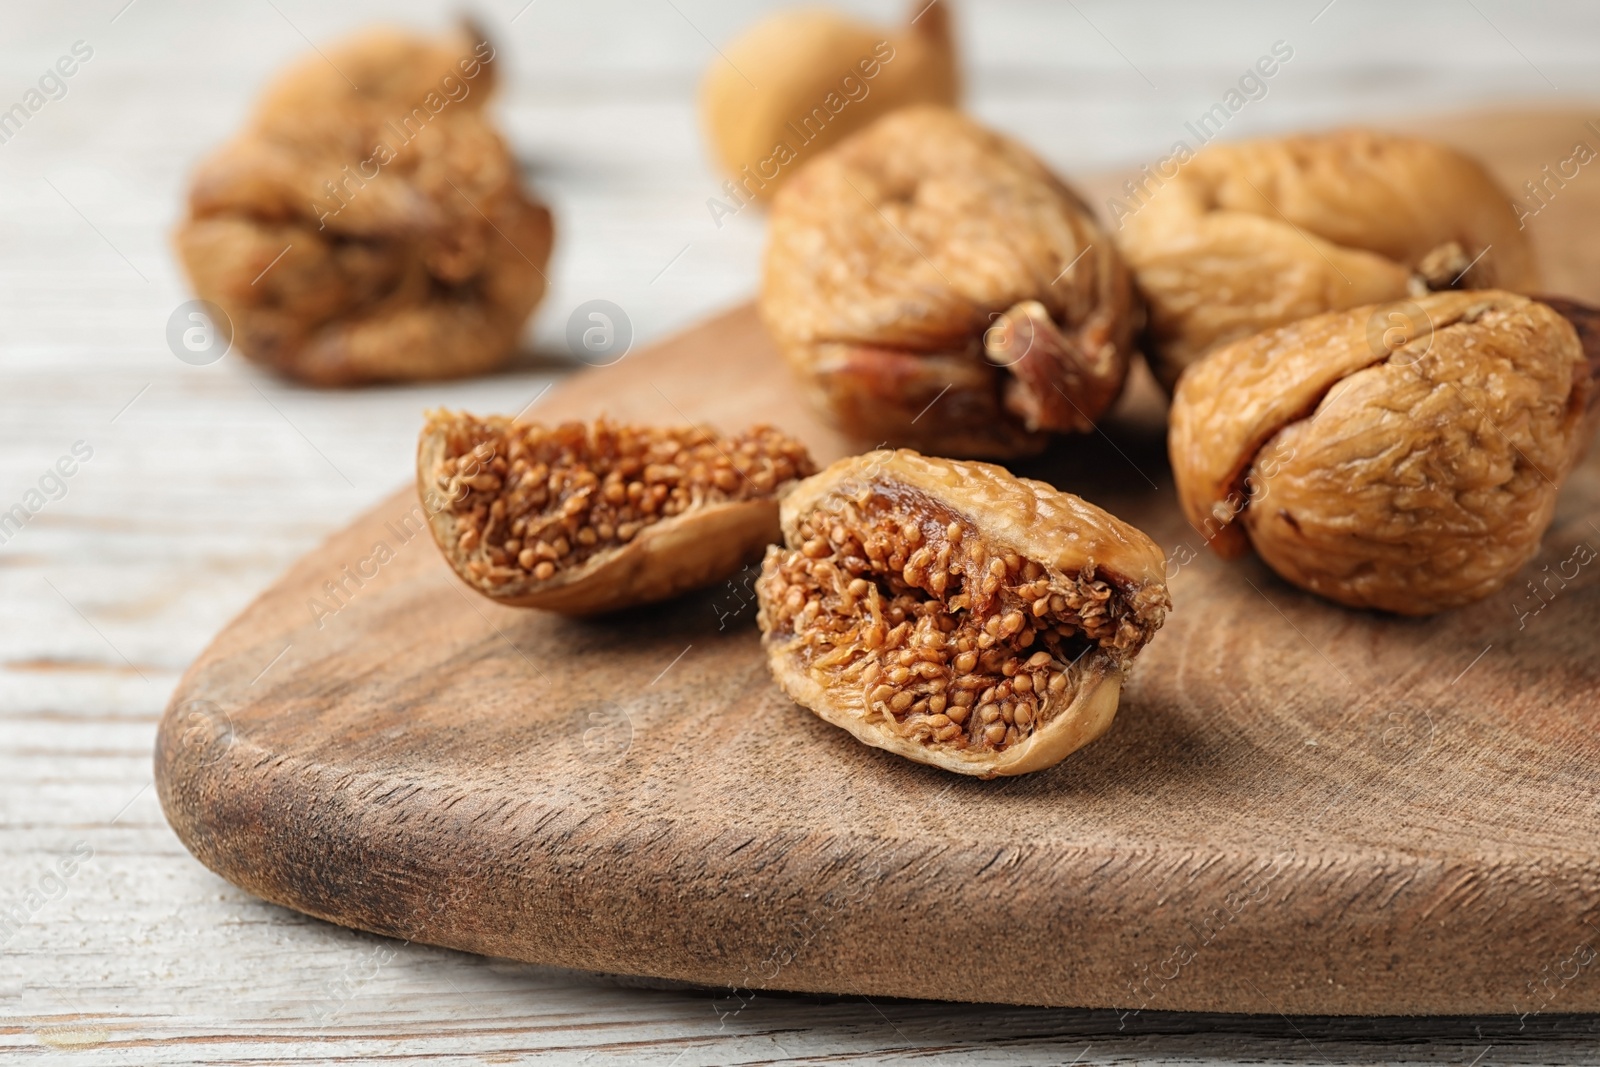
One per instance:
[(587, 518), (1404, 457), (820, 76), (1585, 320), (435, 260), (954, 614), (928, 259), (1257, 234)]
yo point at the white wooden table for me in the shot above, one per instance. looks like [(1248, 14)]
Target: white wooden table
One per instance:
[(205, 482)]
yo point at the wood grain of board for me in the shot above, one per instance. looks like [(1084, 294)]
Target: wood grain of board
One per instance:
[(1300, 809)]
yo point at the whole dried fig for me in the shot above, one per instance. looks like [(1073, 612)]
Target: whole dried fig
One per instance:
[(1404, 456), (1257, 234), (818, 76), (936, 286), (583, 518), (368, 223), (955, 614)]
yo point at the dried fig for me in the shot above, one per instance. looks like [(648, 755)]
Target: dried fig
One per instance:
[(936, 286), (368, 223), (585, 518), (1404, 456), (1257, 234), (955, 614), (819, 76)]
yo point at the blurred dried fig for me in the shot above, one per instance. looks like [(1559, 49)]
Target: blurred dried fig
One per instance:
[(955, 614), (583, 518), (1257, 234), (935, 285), (368, 223), (818, 76), (1404, 456)]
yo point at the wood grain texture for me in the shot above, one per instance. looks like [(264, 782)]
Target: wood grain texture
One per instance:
[(1300, 809)]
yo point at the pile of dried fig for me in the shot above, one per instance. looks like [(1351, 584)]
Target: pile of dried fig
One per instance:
[(368, 224), (1257, 234), (1360, 396), (935, 285)]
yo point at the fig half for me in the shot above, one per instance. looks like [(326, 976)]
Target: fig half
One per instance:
[(955, 614), (584, 518)]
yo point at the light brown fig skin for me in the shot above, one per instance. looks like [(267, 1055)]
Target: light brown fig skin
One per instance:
[(1586, 321), (811, 67), (1404, 457), (435, 259), (704, 543), (1084, 718), (1257, 234), (934, 285), (1037, 542)]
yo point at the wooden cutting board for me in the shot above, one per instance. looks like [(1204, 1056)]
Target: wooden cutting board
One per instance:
[(1299, 809)]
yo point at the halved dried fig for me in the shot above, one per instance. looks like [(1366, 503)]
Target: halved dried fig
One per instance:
[(955, 614), (1256, 234), (935, 285), (583, 518), (1404, 456)]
